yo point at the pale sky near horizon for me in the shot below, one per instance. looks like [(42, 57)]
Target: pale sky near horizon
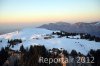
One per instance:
[(45, 11), (49, 10)]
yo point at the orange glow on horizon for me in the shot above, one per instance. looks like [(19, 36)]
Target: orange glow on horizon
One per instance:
[(47, 17)]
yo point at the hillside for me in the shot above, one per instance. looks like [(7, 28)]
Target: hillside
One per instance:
[(80, 27), (40, 36)]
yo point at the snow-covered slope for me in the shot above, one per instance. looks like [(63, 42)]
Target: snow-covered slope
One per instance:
[(36, 37), (26, 33)]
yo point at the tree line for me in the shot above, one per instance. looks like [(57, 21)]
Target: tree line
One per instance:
[(82, 35), (30, 56)]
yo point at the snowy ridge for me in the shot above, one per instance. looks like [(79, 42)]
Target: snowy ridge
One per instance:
[(36, 36), (26, 33)]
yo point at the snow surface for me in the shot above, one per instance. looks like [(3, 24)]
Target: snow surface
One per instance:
[(36, 37), (26, 33)]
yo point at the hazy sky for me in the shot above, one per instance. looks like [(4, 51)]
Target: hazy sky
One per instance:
[(44, 11)]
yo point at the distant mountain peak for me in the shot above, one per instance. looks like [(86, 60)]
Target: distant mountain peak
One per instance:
[(80, 27)]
